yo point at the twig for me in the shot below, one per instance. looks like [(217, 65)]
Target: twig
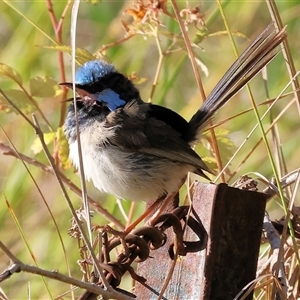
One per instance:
[(273, 10), (66, 196), (254, 147), (18, 266), (57, 27), (74, 16), (44, 200), (274, 240), (199, 83), (159, 64), (254, 128), (105, 47), (6, 150), (285, 181)]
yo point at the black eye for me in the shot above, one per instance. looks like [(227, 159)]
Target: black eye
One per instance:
[(96, 87)]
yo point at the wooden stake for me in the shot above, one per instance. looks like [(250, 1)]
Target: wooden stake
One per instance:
[(233, 219)]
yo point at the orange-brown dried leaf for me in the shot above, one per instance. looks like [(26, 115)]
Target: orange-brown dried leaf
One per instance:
[(137, 15)]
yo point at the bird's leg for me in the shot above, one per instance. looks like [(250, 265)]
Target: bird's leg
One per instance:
[(145, 214), (165, 200), (164, 205)]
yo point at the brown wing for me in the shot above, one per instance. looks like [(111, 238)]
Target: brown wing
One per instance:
[(149, 135)]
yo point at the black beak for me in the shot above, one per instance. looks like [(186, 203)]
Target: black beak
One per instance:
[(69, 85), (83, 94)]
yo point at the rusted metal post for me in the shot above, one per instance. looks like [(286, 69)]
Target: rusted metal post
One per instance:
[(233, 219)]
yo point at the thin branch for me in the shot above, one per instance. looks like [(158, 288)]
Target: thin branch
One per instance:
[(261, 118), (6, 150), (159, 64), (277, 264), (66, 196), (44, 200), (273, 10), (18, 266), (199, 84)]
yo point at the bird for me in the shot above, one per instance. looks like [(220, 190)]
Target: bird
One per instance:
[(142, 151)]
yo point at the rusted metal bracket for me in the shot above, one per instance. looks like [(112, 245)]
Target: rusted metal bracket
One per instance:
[(233, 220)]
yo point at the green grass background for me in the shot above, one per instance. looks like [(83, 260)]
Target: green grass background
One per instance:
[(98, 25)]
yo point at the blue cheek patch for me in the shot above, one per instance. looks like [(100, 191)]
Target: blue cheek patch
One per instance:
[(111, 99)]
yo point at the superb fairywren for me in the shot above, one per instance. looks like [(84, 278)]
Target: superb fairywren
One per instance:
[(141, 151)]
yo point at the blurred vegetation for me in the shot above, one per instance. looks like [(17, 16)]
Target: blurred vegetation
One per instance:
[(25, 30)]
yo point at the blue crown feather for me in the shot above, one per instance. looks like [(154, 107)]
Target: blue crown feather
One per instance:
[(92, 70)]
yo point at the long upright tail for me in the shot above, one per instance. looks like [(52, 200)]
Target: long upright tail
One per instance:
[(257, 55)]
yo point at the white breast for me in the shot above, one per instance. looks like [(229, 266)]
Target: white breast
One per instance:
[(127, 175)]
